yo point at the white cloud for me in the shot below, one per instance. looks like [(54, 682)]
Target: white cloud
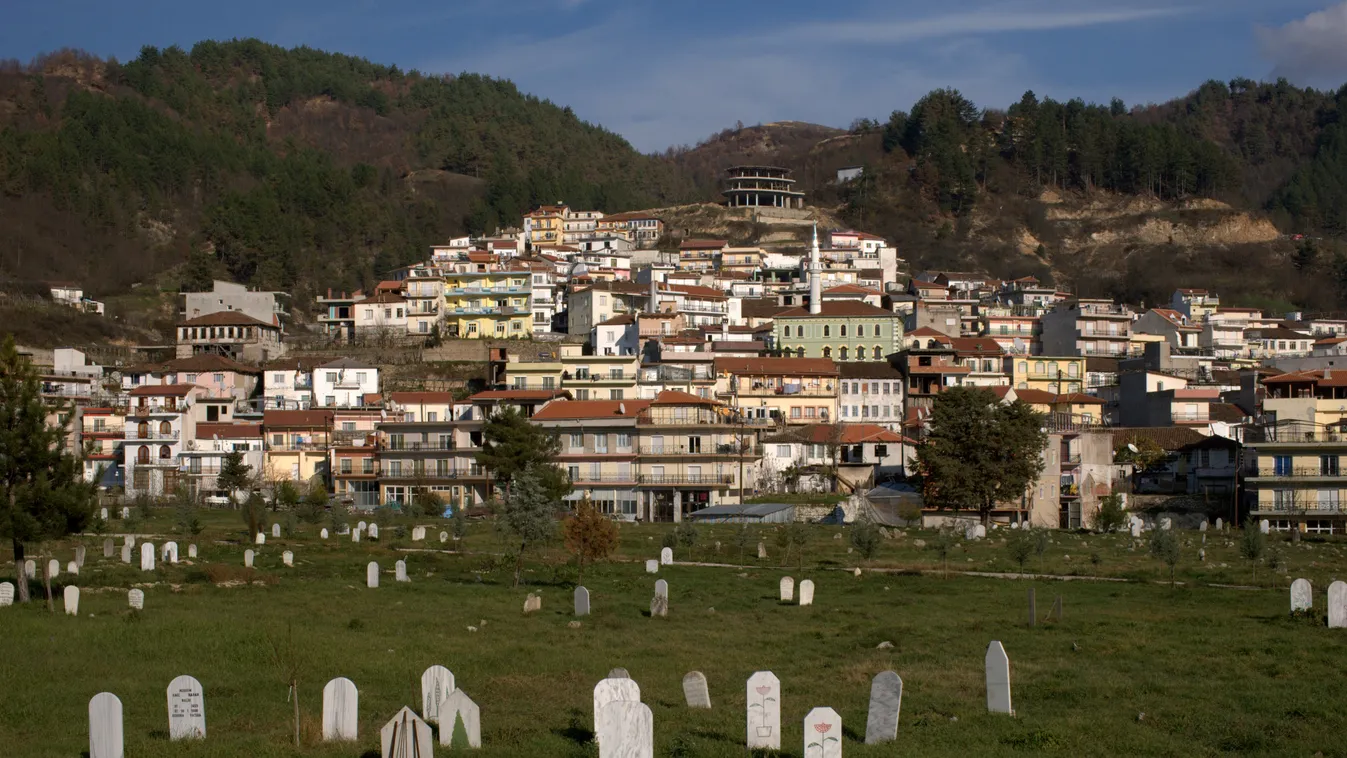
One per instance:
[(656, 92), (1311, 50)]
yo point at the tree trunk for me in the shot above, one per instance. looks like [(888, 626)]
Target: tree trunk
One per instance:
[(46, 585), (20, 578), (294, 687), (519, 563)]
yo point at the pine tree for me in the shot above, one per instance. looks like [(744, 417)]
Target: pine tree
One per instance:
[(42, 495), (510, 445)]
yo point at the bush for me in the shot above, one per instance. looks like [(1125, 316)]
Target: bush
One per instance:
[(670, 539), (865, 537), (1111, 516), (1020, 546), (1165, 546)]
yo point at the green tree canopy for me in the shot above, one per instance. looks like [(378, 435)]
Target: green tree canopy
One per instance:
[(528, 516), (980, 452), (511, 445), (42, 493)]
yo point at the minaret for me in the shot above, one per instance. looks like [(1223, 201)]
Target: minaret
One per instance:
[(815, 283)]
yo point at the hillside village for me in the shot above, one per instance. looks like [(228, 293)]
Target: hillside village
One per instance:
[(700, 375)]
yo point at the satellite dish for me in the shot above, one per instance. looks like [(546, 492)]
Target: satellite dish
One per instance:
[(622, 409), (1133, 448)]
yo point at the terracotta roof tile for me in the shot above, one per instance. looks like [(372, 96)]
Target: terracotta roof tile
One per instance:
[(278, 419), (226, 318), (562, 410), (777, 366)]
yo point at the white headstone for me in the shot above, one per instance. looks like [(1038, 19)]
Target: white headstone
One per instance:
[(406, 736), (807, 592), (248, 556), (30, 568), (787, 589), (612, 690), (191, 551), (72, 600), (662, 588), (126, 513), (129, 539), (1337, 605), (1136, 528), (980, 531), (374, 531), (762, 554), (695, 691), (372, 575), (171, 550), (288, 558), (355, 535), (1264, 526), (261, 538), (186, 709), (79, 556), (666, 556), (659, 607), (418, 533), (626, 730), (322, 533), (444, 537), (970, 532), (6, 594), (652, 566), (1202, 527), (460, 708), (618, 673), (886, 702), (1166, 523), (341, 703), (72, 568), (998, 679), (823, 733), (146, 556), (103, 514), (136, 599), (126, 553), (276, 531), (105, 726), (53, 568), (108, 547), (1302, 595), (532, 603), (400, 571), (764, 711), (360, 526), (436, 684), (1220, 525), (581, 601)]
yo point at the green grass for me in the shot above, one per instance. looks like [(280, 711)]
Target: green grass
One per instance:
[(1216, 671)]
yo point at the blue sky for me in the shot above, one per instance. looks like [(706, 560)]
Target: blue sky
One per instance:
[(664, 72)]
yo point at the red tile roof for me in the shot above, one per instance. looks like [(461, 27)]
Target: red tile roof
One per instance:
[(226, 318), (702, 244), (851, 289), (705, 293), (279, 419), (205, 363), (163, 390), (421, 398), (977, 346), (382, 297), (519, 395), (777, 366), (209, 431), (840, 308), (590, 409), (676, 397)]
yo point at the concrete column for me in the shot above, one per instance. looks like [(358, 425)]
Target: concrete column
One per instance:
[(677, 506)]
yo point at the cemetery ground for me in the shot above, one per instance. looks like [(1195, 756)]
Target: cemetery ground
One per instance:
[(1134, 667)]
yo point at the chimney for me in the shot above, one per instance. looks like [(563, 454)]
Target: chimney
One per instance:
[(654, 292), (815, 285)]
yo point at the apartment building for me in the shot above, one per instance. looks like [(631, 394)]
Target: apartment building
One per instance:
[(297, 444), (1087, 327), (700, 254), (429, 443), (1057, 374), (158, 421), (779, 390), (1296, 475), (840, 330), (490, 303), (871, 393), (102, 435), (345, 383), (202, 458)]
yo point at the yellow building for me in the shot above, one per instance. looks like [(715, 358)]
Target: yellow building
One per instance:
[(1299, 481), (1071, 407), (1317, 398), (296, 445), (586, 377), (1058, 375), (488, 304), (793, 390), (547, 224)]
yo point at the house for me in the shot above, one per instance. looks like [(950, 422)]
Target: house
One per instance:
[(381, 316), (1295, 479), (700, 254), (102, 443), (931, 365), (983, 357), (640, 228), (1222, 337), (220, 376), (232, 334), (337, 313), (546, 223), (423, 292), (592, 304), (287, 384), (864, 454), (228, 297), (747, 260), (1182, 334), (158, 421), (297, 445), (871, 393), (598, 451), (203, 458), (1048, 373), (353, 447), (1189, 463), (429, 443), (779, 390), (1087, 327), (487, 301), (1318, 398), (344, 383), (1195, 305), (616, 336), (1277, 342), (840, 329)]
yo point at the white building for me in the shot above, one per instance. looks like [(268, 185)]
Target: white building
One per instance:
[(287, 385), (384, 314), (616, 336), (158, 421), (344, 383)]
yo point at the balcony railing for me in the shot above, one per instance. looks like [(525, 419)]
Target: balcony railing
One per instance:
[(703, 479), (763, 390), (134, 434), (1289, 432), (1300, 472), (1307, 508), (296, 446), (165, 409), (722, 449), (582, 478), (436, 475), (408, 446)]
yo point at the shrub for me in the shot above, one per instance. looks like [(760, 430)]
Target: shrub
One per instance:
[(1111, 516), (865, 537)]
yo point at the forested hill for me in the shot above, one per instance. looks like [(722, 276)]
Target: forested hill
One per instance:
[(283, 168)]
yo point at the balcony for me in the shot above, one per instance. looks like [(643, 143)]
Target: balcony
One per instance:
[(1299, 472), (768, 390), (1309, 508), (577, 478), (429, 446), (292, 447), (709, 480), (416, 475), (701, 450), (165, 409), (147, 435), (1295, 433)]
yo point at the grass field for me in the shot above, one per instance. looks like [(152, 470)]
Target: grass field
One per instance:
[(1215, 670)]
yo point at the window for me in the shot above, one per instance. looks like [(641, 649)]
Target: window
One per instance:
[(582, 394), (694, 444), (844, 411), (573, 472), (1283, 499), (860, 330), (795, 412), (1024, 367), (367, 466), (865, 411), (783, 451), (615, 373), (786, 331), (549, 382), (1281, 465), (432, 416), (878, 353), (1328, 465), (345, 465), (331, 377), (500, 327), (827, 330), (874, 388), (843, 331), (808, 412), (331, 400), (472, 327), (1039, 367), (881, 451), (600, 443), (277, 440), (1073, 370), (614, 394), (842, 352), (827, 352), (1328, 500), (191, 378)]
